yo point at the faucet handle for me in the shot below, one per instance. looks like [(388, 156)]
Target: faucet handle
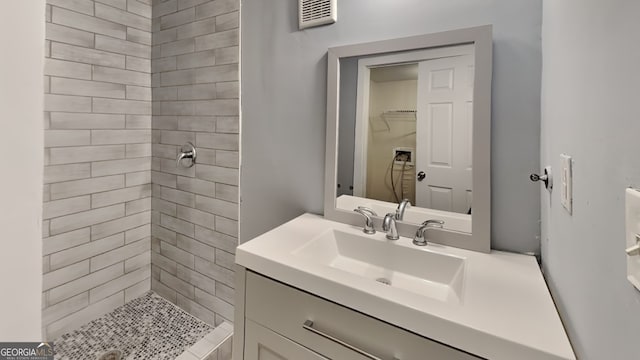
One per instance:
[(369, 211), (419, 238), (368, 222)]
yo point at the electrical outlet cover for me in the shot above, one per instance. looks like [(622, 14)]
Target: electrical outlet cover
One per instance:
[(566, 183)]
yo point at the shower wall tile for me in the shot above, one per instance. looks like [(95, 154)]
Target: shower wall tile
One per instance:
[(194, 90), (97, 203)]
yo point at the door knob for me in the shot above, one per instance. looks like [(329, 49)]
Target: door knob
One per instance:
[(421, 175), (546, 178)]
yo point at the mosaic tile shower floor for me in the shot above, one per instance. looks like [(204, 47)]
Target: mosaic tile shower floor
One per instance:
[(148, 327)]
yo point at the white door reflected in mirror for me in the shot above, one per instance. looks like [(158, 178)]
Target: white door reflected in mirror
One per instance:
[(414, 129)]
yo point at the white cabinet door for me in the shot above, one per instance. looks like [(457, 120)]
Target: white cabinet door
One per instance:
[(264, 344)]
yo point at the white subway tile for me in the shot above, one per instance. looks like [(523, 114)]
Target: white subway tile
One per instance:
[(119, 225), (123, 17), (139, 36), (85, 55), (228, 55), (180, 286), (177, 225), (138, 150), (77, 154), (217, 40), (87, 88), (81, 6), (215, 8), (120, 4), (138, 93), (139, 233), (68, 69), (103, 168), (119, 76), (139, 8), (119, 196), (65, 241), (138, 121), (138, 64), (177, 18), (120, 254), (61, 120), (197, 28), (137, 290), (112, 106), (64, 308), (217, 174), (218, 141), (196, 186), (83, 219), (138, 206), (138, 178), (68, 35), (111, 137), (53, 138), (67, 103), (195, 247), (197, 123), (227, 124), (198, 280), (217, 207), (73, 188), (122, 47), (164, 8), (79, 318), (177, 47), (228, 21), (68, 206), (64, 275)]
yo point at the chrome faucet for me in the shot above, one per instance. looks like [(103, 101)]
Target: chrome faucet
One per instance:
[(389, 225), (402, 206), (368, 222), (419, 239)]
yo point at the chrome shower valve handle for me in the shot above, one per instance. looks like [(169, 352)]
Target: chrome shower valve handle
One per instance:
[(187, 151)]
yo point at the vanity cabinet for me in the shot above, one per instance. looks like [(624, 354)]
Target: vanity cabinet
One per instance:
[(282, 322)]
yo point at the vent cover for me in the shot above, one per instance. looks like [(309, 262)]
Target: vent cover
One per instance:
[(316, 12)]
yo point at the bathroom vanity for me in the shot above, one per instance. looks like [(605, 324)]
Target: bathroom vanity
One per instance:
[(315, 289)]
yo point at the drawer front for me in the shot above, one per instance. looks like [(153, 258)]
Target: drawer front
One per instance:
[(335, 331), (264, 344)]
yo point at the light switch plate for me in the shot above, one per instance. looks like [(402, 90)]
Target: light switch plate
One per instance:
[(566, 183)]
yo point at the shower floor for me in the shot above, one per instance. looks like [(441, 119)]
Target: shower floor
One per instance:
[(148, 327)]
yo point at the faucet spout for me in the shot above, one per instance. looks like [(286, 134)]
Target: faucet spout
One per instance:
[(402, 206), (419, 239), (389, 225)]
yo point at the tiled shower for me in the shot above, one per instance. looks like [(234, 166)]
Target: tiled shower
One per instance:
[(127, 82)]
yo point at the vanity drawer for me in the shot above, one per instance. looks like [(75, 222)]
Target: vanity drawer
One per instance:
[(336, 332)]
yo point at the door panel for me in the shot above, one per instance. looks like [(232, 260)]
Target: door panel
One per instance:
[(444, 118)]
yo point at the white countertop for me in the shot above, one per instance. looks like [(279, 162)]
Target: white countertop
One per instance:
[(505, 313)]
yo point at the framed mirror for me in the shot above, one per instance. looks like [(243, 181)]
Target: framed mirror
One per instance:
[(410, 119)]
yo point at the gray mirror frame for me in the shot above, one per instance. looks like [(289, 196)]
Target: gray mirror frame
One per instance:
[(481, 37)]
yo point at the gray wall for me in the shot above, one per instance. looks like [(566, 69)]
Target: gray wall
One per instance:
[(284, 103), (97, 192), (195, 99), (590, 111)]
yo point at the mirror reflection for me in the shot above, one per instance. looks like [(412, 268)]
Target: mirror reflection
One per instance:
[(405, 132)]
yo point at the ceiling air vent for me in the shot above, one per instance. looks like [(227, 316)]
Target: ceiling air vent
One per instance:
[(316, 12)]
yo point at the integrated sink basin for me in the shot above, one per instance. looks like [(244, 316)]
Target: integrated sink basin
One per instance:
[(418, 270)]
